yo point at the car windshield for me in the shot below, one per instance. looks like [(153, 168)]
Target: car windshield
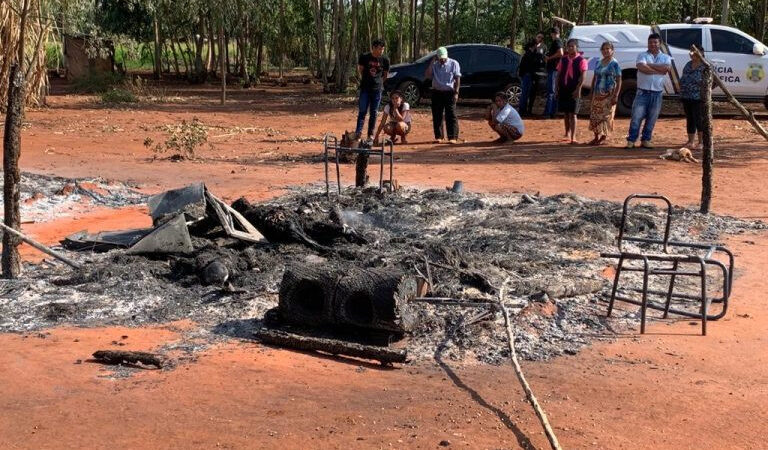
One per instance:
[(426, 57)]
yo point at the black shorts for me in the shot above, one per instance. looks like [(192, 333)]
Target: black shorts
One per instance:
[(567, 104)]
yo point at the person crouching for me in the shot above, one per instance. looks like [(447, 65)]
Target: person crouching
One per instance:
[(504, 119), (396, 118)]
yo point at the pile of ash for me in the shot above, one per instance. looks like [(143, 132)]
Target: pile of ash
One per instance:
[(547, 247), (44, 196)]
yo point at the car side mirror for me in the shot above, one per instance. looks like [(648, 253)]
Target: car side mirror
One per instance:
[(758, 49)]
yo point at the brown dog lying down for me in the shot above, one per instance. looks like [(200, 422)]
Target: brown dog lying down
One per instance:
[(679, 154)]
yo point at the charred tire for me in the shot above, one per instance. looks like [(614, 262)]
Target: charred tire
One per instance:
[(411, 92), (513, 91), (626, 97)]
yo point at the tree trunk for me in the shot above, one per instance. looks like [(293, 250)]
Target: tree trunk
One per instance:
[(14, 116), (11, 261), (260, 56), (158, 50), (707, 156), (317, 9), (281, 42), (725, 13), (762, 14), (210, 66), (436, 21), (176, 65), (222, 62), (420, 34), (401, 15), (637, 11), (200, 72), (607, 11), (245, 52), (582, 11), (513, 29), (540, 4), (412, 34)]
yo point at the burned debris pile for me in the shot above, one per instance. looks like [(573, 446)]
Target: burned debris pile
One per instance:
[(425, 266)]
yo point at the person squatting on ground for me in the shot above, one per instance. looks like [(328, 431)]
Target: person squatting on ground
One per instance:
[(554, 54), (503, 119), (372, 68), (652, 68), (606, 85), (396, 118), (530, 64), (446, 79), (570, 78), (690, 95)]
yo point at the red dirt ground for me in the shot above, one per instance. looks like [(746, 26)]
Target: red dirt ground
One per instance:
[(669, 388)]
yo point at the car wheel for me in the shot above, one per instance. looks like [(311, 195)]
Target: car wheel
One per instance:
[(410, 91), (626, 97), (513, 92)]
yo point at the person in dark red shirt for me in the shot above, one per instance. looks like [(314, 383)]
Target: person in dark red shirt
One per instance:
[(373, 69)]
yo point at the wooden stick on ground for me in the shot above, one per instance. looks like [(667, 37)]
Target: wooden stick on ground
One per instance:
[(40, 246), (747, 113), (519, 372), (128, 357), (280, 338)]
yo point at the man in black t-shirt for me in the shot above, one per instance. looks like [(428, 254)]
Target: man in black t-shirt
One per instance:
[(554, 54), (372, 68)]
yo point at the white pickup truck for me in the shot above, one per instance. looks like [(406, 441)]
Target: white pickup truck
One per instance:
[(739, 59)]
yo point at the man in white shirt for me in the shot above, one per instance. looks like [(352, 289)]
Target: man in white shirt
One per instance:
[(504, 119), (652, 69)]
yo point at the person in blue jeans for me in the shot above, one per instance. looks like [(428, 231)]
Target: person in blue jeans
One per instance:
[(652, 69), (530, 64), (554, 54), (372, 68)]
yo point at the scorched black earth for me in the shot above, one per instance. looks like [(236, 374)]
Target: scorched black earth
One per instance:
[(547, 248)]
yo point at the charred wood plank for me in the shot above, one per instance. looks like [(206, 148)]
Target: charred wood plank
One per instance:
[(279, 338), (306, 294), (372, 299), (128, 357), (361, 170)]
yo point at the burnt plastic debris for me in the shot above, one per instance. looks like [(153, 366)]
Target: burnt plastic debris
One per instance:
[(103, 241), (172, 212), (189, 200), (171, 237)]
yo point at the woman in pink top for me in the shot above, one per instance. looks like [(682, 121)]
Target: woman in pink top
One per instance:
[(570, 78)]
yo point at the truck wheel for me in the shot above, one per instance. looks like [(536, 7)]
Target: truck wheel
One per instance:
[(411, 92), (626, 97), (513, 91)]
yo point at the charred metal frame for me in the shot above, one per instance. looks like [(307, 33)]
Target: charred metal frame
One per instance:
[(331, 143), (700, 255)]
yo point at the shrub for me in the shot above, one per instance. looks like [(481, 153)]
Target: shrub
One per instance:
[(118, 95), (183, 139), (96, 83)]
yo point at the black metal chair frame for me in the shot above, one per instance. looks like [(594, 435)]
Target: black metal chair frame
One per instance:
[(331, 143), (676, 254)]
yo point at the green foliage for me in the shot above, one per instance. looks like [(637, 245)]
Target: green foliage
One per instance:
[(183, 139), (96, 83), (52, 55), (118, 95), (130, 18)]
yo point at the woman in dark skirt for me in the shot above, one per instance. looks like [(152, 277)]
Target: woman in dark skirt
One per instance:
[(570, 78)]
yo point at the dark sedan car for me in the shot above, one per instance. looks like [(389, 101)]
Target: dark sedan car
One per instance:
[(485, 70)]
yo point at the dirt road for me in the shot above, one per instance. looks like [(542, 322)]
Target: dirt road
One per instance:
[(670, 388)]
